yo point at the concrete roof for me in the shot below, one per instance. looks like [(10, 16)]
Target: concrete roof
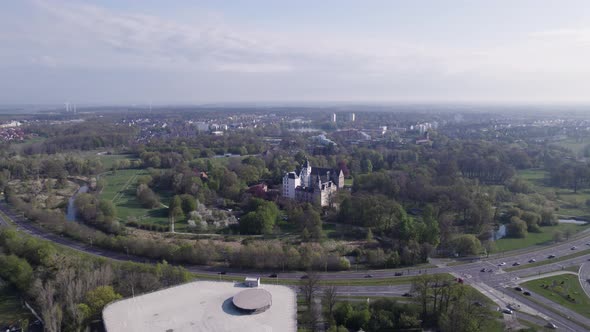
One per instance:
[(200, 306), (253, 299)]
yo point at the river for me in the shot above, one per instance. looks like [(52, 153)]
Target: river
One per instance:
[(71, 211)]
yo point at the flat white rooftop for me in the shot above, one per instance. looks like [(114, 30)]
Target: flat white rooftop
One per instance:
[(200, 306)]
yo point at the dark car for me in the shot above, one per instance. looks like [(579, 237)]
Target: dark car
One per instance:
[(527, 293), (305, 276), (483, 270), (532, 260), (274, 275), (407, 295), (369, 276), (397, 274), (518, 289), (551, 256), (516, 264), (222, 272)]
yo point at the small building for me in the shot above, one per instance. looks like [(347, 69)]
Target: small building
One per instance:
[(252, 282)]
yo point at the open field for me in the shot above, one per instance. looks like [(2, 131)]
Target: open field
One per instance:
[(570, 204), (109, 159), (120, 189), (563, 289), (535, 239), (11, 309)]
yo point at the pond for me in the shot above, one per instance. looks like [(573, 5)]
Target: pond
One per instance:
[(500, 233), (572, 221)]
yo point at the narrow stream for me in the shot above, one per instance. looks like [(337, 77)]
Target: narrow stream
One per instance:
[(71, 211)]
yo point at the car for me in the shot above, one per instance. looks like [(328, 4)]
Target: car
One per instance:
[(478, 304), (513, 306), (518, 289), (588, 244), (526, 293), (490, 270), (274, 275), (407, 295), (305, 276), (550, 325), (532, 260), (502, 264), (222, 272), (551, 256), (507, 311), (397, 274), (515, 264), (483, 270), (573, 248), (369, 276)]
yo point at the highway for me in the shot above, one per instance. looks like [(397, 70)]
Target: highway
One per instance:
[(497, 285)]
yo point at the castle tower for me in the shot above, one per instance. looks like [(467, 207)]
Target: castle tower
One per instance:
[(306, 174)]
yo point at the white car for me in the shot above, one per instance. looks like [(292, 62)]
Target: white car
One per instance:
[(502, 264)]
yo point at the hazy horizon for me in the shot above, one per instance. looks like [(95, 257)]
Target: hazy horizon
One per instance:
[(345, 52)]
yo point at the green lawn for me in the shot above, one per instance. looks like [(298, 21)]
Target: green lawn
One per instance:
[(563, 289), (570, 204), (535, 176), (11, 310), (120, 188), (348, 182), (108, 160), (532, 239)]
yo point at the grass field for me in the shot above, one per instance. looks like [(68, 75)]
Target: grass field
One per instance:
[(570, 204), (11, 310), (120, 189), (563, 289), (533, 239), (108, 160)]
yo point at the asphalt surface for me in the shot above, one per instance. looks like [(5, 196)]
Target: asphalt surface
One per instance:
[(498, 280)]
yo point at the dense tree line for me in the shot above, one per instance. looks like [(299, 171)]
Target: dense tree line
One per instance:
[(70, 290)]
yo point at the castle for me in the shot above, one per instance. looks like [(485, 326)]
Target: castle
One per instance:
[(315, 185)]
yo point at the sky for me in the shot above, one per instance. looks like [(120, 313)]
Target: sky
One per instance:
[(210, 51)]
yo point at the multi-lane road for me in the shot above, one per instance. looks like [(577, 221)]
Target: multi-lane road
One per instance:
[(497, 285)]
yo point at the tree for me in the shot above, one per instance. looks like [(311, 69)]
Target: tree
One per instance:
[(107, 208), (330, 297), (16, 270), (99, 297), (309, 287), (189, 203), (466, 244), (557, 236), (517, 228), (261, 220), (342, 313)]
